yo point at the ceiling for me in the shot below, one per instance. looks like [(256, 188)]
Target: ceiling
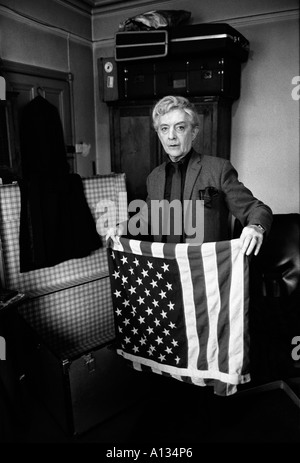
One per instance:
[(94, 6), (97, 3)]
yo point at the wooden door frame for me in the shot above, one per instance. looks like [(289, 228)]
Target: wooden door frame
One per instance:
[(12, 67)]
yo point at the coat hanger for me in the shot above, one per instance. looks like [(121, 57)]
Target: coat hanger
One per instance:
[(40, 91)]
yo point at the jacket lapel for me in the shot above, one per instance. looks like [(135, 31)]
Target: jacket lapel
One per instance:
[(160, 182), (193, 170)]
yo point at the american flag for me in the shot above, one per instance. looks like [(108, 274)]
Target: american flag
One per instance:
[(182, 310)]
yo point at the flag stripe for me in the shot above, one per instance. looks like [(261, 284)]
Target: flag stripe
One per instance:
[(135, 247), (236, 350), (223, 253), (118, 246), (200, 298), (189, 306), (157, 250), (213, 303), (246, 329), (205, 374)]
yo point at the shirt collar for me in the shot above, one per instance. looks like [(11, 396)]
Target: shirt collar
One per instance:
[(183, 160)]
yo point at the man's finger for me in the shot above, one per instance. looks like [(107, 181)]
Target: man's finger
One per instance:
[(245, 241), (252, 245)]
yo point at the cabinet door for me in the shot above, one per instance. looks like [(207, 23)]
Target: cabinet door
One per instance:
[(134, 146), (214, 134)]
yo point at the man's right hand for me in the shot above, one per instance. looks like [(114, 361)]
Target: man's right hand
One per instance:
[(114, 233)]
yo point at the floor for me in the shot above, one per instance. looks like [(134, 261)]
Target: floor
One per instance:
[(172, 412)]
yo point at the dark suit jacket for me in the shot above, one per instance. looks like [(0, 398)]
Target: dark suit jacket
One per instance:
[(216, 181)]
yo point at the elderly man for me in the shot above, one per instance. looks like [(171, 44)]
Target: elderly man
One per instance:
[(189, 177)]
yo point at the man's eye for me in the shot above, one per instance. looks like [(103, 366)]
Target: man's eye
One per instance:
[(180, 128), (164, 129)]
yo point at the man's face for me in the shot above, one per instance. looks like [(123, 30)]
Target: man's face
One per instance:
[(176, 133)]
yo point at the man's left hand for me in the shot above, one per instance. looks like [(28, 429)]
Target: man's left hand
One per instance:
[(251, 239)]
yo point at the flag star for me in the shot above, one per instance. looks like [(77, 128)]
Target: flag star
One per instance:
[(162, 357), (143, 341), (150, 265), (149, 311), (135, 330), (152, 348), (149, 329), (168, 350), (165, 267), (122, 345), (163, 314), (166, 332), (136, 262), (150, 352), (145, 273), (172, 325), (120, 329), (131, 270), (162, 294), (159, 340), (132, 290), (159, 275), (147, 291), (135, 349), (125, 302), (175, 343), (141, 300), (153, 283), (155, 303), (126, 321), (116, 274), (124, 260), (127, 340), (124, 279), (157, 322), (117, 293), (133, 310), (118, 312), (113, 254), (169, 286), (177, 359), (171, 305), (141, 319), (139, 281)]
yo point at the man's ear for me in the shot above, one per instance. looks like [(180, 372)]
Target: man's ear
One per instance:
[(195, 131), (159, 137)]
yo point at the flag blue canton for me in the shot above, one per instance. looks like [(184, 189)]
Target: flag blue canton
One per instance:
[(147, 301)]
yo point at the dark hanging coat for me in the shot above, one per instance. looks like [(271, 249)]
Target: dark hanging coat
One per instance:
[(56, 223)]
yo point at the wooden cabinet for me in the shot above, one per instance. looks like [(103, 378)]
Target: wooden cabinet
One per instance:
[(135, 147)]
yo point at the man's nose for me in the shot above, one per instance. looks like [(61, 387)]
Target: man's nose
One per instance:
[(172, 133)]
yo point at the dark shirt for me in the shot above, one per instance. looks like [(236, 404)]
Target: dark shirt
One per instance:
[(183, 163)]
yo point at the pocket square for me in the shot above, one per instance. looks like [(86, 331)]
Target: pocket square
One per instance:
[(208, 194)]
